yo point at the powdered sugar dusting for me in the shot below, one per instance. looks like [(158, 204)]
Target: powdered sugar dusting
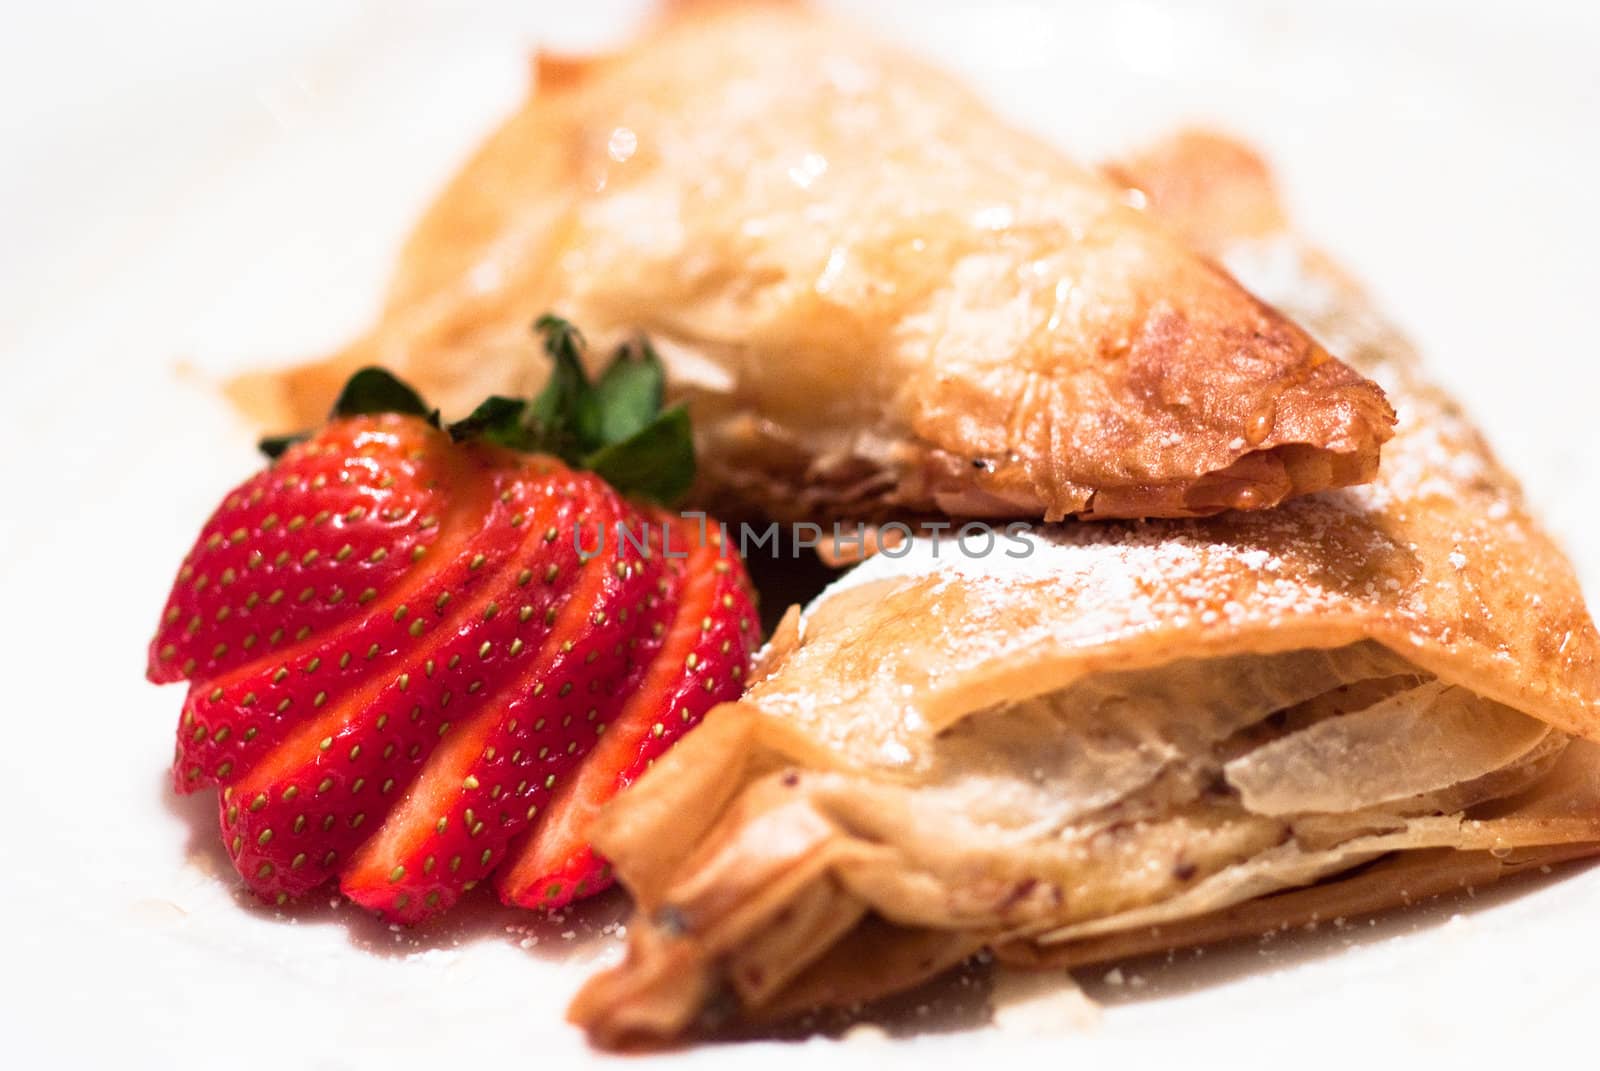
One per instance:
[(1437, 556)]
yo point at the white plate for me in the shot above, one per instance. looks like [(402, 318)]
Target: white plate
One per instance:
[(213, 188)]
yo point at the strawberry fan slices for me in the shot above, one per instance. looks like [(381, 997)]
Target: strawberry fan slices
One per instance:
[(419, 657)]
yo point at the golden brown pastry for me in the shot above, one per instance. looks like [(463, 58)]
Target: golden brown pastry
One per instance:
[(1128, 738), (876, 296)]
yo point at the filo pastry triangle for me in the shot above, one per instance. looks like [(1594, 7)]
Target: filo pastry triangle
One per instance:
[(1137, 736), (875, 295)]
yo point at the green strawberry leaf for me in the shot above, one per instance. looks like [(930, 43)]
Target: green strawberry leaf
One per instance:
[(562, 416), (369, 390), (629, 393), (656, 462), (614, 426), (376, 390), (274, 445), (497, 420)]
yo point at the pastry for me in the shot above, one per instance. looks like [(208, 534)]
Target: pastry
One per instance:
[(876, 296), (1099, 740)]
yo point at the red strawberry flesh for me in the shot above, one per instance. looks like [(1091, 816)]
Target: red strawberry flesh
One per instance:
[(702, 661), (303, 546), (346, 768), (487, 781), (231, 721), (405, 676)]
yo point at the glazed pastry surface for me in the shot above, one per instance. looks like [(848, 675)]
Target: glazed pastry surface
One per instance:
[(1126, 739), (876, 296)]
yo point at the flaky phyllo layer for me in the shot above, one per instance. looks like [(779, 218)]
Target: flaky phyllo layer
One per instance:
[(874, 294), (1139, 736), (1041, 828)]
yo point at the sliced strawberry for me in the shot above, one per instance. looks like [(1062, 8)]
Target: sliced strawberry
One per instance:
[(295, 819), (702, 661), (397, 654), (488, 779), (304, 546), (229, 722)]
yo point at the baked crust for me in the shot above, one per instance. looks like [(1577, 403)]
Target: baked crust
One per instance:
[(877, 297), (890, 771)]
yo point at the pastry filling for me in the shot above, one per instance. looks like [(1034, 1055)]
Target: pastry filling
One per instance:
[(1191, 786), (1126, 805)]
